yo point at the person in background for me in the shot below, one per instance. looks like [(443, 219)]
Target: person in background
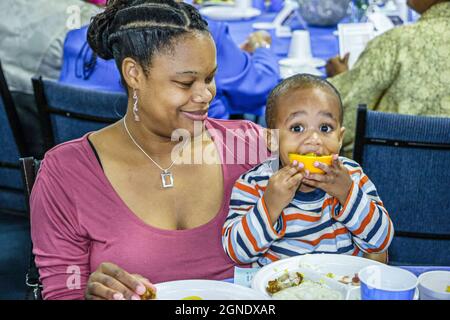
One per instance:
[(405, 70), (31, 42), (244, 77)]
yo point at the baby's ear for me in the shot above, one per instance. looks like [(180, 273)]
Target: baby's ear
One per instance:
[(272, 139), (341, 136)]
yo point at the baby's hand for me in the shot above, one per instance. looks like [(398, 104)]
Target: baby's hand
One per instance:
[(336, 181), (281, 189)]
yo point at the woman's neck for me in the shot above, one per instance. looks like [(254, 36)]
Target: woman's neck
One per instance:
[(162, 147)]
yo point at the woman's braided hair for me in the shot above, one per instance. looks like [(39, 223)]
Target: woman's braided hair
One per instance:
[(139, 28)]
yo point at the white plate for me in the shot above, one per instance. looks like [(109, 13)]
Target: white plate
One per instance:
[(229, 13), (321, 264), (318, 265), (294, 62), (206, 290), (217, 3)]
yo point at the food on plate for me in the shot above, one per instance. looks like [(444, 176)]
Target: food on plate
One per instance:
[(347, 280), (448, 289), (294, 286), (286, 280), (309, 159), (149, 294), (308, 290), (192, 298)]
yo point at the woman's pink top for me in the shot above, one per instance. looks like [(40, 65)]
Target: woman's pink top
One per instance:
[(78, 221)]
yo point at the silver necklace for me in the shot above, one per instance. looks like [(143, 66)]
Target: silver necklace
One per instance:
[(166, 175)]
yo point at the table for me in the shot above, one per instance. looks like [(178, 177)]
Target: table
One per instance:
[(418, 270), (245, 275), (324, 44)]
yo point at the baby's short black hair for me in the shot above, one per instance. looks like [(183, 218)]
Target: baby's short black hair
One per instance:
[(298, 81)]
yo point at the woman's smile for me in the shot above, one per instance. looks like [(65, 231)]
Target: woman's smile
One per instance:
[(197, 115)]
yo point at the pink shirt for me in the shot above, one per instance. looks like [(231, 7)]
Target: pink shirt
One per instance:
[(78, 221)]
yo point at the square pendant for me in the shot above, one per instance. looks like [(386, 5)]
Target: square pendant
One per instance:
[(167, 179)]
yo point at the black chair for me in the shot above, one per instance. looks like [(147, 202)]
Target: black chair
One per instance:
[(30, 168), (68, 112), (407, 158), (11, 149), (14, 223)]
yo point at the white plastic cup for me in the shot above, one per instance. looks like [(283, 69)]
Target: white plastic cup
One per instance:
[(243, 4), (433, 285), (300, 47)]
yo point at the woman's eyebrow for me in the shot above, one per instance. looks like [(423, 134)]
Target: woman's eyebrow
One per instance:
[(189, 72)]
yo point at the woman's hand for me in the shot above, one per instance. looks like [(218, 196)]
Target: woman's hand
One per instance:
[(336, 181), (337, 65), (256, 40), (281, 189), (110, 282)]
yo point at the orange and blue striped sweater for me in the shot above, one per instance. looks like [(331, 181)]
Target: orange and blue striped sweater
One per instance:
[(313, 222)]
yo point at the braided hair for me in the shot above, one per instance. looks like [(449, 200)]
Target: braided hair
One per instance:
[(139, 28)]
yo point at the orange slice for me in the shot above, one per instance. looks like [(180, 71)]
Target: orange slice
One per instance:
[(309, 159)]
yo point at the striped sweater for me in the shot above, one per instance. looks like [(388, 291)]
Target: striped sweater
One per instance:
[(313, 222)]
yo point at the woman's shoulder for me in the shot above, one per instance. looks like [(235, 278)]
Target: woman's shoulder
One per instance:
[(242, 140), (71, 156), (225, 125), (244, 131)]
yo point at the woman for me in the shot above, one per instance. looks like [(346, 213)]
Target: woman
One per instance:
[(405, 70), (116, 207)]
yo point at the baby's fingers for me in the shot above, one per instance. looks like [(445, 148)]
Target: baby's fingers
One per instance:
[(322, 166), (336, 163), (294, 181)]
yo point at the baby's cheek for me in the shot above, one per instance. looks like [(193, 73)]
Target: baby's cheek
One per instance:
[(333, 145)]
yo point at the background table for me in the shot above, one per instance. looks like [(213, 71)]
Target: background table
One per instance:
[(324, 44)]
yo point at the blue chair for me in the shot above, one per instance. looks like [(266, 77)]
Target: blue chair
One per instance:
[(408, 158), (14, 223), (12, 200), (30, 168), (68, 112)]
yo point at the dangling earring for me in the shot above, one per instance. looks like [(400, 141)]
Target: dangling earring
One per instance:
[(135, 106)]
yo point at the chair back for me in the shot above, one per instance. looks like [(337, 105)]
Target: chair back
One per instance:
[(30, 168), (12, 147), (69, 112), (407, 158)]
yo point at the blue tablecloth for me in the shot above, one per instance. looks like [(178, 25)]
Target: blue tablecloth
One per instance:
[(324, 44), (417, 270)]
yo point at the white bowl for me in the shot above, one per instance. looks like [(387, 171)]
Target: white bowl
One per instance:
[(433, 285)]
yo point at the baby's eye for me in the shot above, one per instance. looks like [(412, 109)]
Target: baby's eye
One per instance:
[(326, 128), (297, 128)]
